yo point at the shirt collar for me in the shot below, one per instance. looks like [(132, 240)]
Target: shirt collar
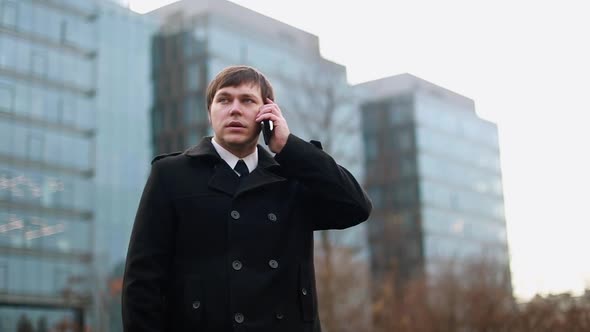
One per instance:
[(251, 160)]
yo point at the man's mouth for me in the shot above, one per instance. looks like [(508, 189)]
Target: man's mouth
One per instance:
[(236, 124)]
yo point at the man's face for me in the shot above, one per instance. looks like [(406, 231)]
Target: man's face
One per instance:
[(232, 115)]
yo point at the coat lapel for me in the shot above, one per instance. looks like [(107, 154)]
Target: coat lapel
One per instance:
[(259, 177), (224, 179), (263, 174)]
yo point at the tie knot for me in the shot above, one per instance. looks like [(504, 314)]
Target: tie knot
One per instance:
[(241, 168)]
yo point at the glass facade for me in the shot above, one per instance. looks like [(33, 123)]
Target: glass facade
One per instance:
[(394, 230), (186, 59), (313, 93), (75, 95), (179, 116), (123, 149), (433, 171), (460, 187), (47, 170)]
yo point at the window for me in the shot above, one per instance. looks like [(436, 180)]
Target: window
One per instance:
[(39, 64), (35, 147), (6, 137), (395, 116), (157, 121), (6, 97), (180, 142), (8, 14), (68, 111), (375, 194), (166, 119), (63, 32), (371, 148), (187, 45), (244, 53), (406, 166), (193, 138), (4, 276), (454, 202), (188, 110), (37, 103), (193, 77), (173, 113), (200, 33), (404, 140)]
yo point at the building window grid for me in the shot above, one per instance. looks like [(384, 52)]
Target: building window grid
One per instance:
[(457, 124), (9, 14), (437, 221), (6, 98), (462, 150), (458, 175)]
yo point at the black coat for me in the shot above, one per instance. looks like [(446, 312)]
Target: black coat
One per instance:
[(209, 253)]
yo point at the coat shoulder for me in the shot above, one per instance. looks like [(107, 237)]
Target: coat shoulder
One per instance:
[(162, 156)]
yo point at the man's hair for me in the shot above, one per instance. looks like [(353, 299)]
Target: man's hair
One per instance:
[(236, 76)]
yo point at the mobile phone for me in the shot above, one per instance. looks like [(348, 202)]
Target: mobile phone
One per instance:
[(267, 128)]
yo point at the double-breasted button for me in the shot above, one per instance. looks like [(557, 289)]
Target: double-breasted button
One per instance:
[(272, 217), (196, 305), (237, 265), (279, 316), (239, 318), (235, 214), (273, 264), (304, 291)]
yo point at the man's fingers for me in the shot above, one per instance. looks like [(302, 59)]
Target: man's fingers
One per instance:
[(271, 105), (268, 116)]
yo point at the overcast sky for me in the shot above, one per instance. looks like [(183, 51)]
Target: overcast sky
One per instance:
[(527, 66)]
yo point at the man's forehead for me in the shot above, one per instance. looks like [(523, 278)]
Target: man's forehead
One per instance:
[(244, 88)]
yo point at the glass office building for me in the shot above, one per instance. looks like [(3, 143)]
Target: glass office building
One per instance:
[(47, 170), (433, 172), (123, 148), (74, 154), (197, 39)]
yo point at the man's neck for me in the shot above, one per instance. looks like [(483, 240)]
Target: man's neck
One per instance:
[(238, 150)]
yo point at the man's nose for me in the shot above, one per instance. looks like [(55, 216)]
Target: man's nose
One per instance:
[(235, 107)]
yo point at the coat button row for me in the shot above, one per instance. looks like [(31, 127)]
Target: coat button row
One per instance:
[(236, 215), (239, 318), (237, 265)]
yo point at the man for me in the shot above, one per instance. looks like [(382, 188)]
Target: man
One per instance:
[(223, 237)]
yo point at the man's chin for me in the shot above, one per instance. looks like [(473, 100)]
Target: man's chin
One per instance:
[(238, 140)]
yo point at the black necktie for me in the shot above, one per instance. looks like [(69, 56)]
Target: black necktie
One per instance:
[(241, 168)]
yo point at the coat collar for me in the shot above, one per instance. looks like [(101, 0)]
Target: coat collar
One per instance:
[(224, 178)]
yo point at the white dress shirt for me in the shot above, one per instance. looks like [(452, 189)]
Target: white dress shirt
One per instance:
[(251, 160)]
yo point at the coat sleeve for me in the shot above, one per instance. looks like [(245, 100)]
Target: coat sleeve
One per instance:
[(331, 192), (149, 259)]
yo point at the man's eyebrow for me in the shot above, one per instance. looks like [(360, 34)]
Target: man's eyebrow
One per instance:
[(227, 94), (249, 95)]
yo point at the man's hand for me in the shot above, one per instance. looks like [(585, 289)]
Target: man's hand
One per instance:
[(271, 111)]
